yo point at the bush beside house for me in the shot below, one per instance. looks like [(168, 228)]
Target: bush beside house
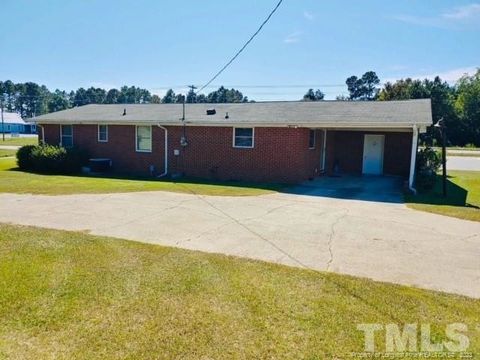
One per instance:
[(51, 159), (428, 164)]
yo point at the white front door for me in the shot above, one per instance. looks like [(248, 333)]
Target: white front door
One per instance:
[(373, 154)]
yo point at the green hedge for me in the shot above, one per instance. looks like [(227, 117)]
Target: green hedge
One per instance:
[(51, 159), (428, 163)]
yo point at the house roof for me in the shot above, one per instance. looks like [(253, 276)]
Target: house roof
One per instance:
[(282, 113), (12, 118)]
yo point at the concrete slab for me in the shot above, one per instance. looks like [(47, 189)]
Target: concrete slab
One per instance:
[(380, 240), (367, 188)]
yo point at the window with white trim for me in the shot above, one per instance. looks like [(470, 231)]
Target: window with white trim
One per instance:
[(66, 135), (102, 133), (144, 138), (243, 137), (311, 139)]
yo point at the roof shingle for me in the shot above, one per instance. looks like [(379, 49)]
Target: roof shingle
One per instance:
[(282, 113)]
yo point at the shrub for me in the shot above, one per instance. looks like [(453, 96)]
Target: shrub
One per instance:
[(51, 159), (24, 157), (428, 163)]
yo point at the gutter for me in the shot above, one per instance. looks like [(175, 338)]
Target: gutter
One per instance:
[(223, 123), (166, 151)]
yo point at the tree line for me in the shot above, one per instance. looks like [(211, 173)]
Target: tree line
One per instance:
[(30, 99), (458, 104)]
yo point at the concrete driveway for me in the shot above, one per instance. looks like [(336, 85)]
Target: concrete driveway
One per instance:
[(380, 240)]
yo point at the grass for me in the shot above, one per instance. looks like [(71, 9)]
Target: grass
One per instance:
[(14, 181), (72, 295), (462, 201), (20, 141), (464, 154), (7, 153)]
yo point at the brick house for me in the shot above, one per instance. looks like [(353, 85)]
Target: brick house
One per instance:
[(264, 141)]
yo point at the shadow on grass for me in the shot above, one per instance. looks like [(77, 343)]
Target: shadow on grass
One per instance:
[(456, 195)]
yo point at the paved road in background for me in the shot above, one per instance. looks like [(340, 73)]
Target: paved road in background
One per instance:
[(463, 163)]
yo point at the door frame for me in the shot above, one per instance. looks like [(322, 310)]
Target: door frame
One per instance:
[(381, 155)]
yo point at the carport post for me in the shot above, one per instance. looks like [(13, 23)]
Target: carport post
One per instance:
[(413, 158)]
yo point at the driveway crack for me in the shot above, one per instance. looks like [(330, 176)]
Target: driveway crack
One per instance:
[(238, 222), (332, 235)]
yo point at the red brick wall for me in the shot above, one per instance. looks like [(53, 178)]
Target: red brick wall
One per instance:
[(120, 147), (346, 149), (279, 154)]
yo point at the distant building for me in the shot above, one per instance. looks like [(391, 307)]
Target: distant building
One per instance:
[(14, 124)]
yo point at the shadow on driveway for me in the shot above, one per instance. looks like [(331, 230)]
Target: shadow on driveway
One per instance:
[(366, 188)]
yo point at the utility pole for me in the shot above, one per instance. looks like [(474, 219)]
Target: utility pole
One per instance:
[(192, 90)]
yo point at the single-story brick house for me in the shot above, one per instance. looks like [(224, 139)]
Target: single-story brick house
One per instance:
[(263, 141)]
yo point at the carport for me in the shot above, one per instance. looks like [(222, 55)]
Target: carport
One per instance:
[(371, 151)]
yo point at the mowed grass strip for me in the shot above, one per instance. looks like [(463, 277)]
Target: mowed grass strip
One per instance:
[(462, 201), (19, 141), (72, 295), (14, 181), (7, 153)]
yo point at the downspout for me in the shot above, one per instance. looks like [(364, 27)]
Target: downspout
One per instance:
[(324, 151), (413, 159), (166, 150), (43, 133)]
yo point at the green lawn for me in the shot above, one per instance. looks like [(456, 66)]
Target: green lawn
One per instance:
[(71, 295), (14, 181), (7, 153), (470, 154), (20, 141), (463, 200)]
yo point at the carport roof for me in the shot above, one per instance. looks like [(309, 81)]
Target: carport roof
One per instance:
[(280, 113)]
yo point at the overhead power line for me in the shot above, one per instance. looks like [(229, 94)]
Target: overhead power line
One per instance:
[(243, 47)]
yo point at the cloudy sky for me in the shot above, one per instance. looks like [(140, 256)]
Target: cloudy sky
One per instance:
[(308, 43)]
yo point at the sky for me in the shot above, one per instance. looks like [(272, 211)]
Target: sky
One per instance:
[(161, 44)]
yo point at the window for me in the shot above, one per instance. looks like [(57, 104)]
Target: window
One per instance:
[(144, 138), (311, 139), (243, 137), (66, 135), (102, 133)]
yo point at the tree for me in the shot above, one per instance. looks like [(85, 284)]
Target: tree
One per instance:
[(467, 106), (169, 97), (80, 97), (311, 95), (95, 95), (442, 96), (59, 100), (112, 96), (201, 98), (364, 88), (156, 99), (191, 96), (223, 95), (180, 99)]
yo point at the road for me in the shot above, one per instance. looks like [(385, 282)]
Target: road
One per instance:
[(463, 163)]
